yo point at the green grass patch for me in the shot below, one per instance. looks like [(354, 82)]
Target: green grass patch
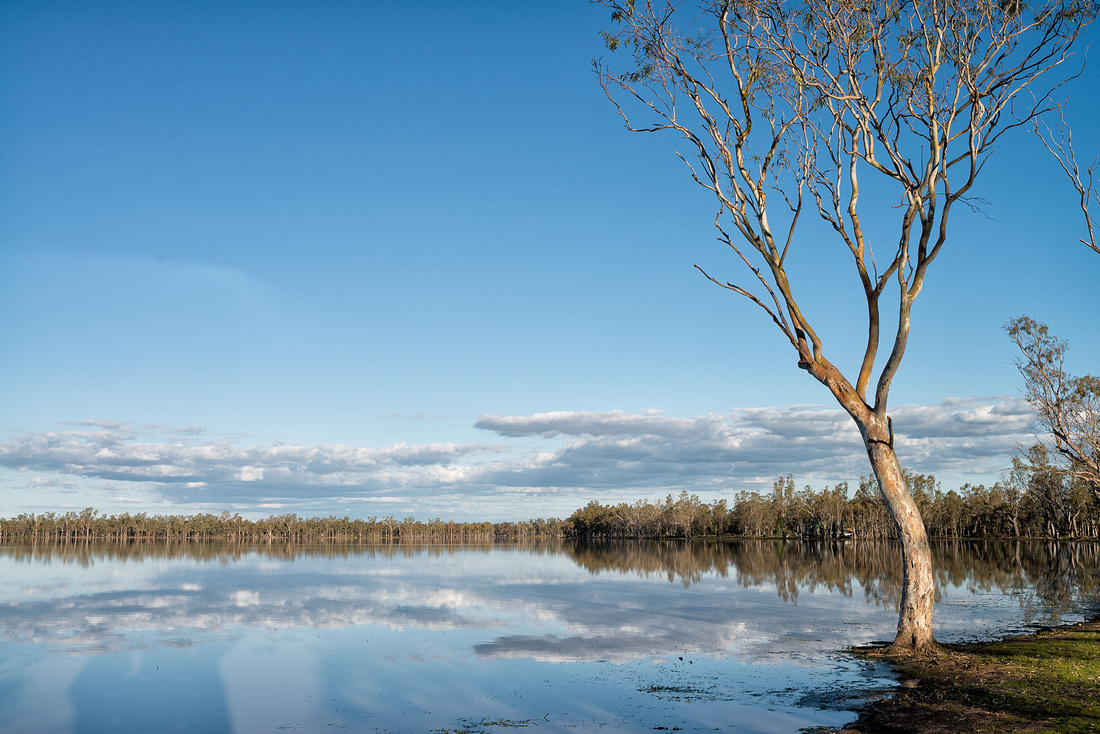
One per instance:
[(1044, 682)]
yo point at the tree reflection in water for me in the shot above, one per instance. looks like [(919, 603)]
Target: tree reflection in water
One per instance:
[(1050, 580), (626, 635)]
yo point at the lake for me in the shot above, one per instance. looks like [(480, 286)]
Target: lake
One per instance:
[(548, 637)]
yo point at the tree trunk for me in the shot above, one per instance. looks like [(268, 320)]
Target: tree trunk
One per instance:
[(918, 591)]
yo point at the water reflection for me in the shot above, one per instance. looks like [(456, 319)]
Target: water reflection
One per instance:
[(625, 635), (1052, 581)]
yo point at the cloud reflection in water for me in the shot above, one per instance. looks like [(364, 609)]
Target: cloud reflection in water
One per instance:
[(410, 638)]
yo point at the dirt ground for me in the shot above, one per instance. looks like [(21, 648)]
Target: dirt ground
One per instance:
[(1048, 681)]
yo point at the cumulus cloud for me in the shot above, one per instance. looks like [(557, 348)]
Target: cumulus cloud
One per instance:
[(607, 423), (599, 455), (615, 448), (116, 454), (250, 474)]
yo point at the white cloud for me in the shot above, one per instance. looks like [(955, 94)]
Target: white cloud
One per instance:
[(612, 422), (610, 455)]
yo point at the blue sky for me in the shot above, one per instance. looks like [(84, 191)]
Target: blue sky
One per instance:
[(389, 258)]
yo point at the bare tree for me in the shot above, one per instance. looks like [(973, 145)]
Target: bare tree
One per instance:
[(1060, 145), (795, 107), (1067, 407)]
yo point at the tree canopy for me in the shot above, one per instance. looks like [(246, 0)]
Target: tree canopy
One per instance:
[(1067, 407)]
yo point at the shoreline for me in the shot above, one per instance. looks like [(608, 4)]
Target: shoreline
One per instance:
[(1044, 681)]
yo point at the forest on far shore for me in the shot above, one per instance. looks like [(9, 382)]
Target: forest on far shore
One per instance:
[(1033, 501), (1051, 508)]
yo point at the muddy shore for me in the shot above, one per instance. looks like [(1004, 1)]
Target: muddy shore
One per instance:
[(1048, 681)]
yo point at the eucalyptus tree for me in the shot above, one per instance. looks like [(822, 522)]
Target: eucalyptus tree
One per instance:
[(799, 108), (1067, 407)]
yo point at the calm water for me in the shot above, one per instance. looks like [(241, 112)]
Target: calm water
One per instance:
[(637, 637)]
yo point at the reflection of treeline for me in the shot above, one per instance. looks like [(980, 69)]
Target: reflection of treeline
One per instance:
[(86, 551), (1050, 578), (89, 524), (788, 565), (1027, 504)]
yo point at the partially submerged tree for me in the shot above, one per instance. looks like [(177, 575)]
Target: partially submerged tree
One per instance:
[(791, 108), (1067, 407)]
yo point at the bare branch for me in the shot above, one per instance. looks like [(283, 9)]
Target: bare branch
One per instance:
[(1061, 147)]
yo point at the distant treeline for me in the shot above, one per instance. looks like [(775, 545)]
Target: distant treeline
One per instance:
[(1030, 503), (90, 524)]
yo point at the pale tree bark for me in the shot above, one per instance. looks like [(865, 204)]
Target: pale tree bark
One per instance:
[(794, 108), (918, 590)]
